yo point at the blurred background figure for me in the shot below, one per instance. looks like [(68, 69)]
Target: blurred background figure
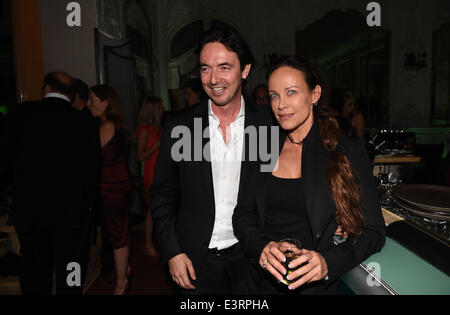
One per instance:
[(51, 158), (193, 92), (116, 183), (148, 136), (260, 95), (81, 97), (352, 115), (81, 103), (351, 121)]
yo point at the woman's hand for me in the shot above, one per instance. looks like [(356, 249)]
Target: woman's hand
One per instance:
[(315, 269), (340, 232), (270, 260)]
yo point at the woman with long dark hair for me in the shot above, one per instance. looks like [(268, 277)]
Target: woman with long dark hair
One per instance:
[(116, 182), (322, 184)]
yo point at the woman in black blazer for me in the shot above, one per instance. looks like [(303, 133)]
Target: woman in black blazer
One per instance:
[(322, 184)]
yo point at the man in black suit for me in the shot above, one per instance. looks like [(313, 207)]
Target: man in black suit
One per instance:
[(198, 177), (51, 154)]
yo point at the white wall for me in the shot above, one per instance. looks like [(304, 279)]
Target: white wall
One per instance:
[(69, 49)]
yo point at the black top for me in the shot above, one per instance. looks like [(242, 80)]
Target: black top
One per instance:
[(286, 215)]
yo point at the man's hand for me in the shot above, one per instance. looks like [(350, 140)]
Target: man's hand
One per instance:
[(179, 267)]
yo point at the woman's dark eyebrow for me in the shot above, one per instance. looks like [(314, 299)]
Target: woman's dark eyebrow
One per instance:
[(290, 87)]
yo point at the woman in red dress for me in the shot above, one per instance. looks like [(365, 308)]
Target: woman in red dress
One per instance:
[(148, 136), (116, 182)]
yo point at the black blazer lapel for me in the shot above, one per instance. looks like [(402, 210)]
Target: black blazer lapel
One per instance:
[(315, 185), (201, 111)]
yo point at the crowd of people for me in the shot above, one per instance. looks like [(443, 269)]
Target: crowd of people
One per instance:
[(217, 223), (68, 164)]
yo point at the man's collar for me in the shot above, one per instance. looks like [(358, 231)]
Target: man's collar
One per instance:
[(57, 95), (241, 112)]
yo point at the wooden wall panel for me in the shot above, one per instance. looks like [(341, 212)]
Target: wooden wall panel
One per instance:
[(28, 52)]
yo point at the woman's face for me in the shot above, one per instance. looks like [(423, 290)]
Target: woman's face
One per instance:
[(291, 98), (97, 106)]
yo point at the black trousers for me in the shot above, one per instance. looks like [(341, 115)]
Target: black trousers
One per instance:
[(220, 275), (63, 251)]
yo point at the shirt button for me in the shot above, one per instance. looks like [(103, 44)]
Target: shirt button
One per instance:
[(318, 235)]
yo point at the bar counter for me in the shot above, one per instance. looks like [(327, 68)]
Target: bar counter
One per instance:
[(395, 270)]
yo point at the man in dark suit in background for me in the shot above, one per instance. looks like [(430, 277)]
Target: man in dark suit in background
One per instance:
[(51, 154), (194, 191)]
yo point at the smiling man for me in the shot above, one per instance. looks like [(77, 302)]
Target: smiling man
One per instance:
[(191, 201)]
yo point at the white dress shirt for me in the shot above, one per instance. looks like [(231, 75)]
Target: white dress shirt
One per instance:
[(226, 173)]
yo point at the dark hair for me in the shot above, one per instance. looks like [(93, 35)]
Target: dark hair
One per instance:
[(59, 82), (259, 86), (81, 89), (341, 179), (232, 40), (114, 113), (195, 84)]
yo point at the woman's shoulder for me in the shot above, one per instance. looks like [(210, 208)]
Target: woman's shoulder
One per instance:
[(358, 118), (107, 127)]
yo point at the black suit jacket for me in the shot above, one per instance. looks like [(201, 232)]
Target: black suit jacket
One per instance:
[(182, 197), (248, 219), (53, 155)]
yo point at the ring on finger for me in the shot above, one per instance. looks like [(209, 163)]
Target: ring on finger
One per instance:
[(264, 263)]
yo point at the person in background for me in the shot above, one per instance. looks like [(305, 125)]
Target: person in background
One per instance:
[(352, 115), (53, 168), (148, 136), (261, 95), (322, 186), (193, 92), (81, 97), (116, 183), (80, 102)]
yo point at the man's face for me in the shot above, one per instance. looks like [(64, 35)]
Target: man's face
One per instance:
[(78, 102), (221, 74), (191, 97)]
